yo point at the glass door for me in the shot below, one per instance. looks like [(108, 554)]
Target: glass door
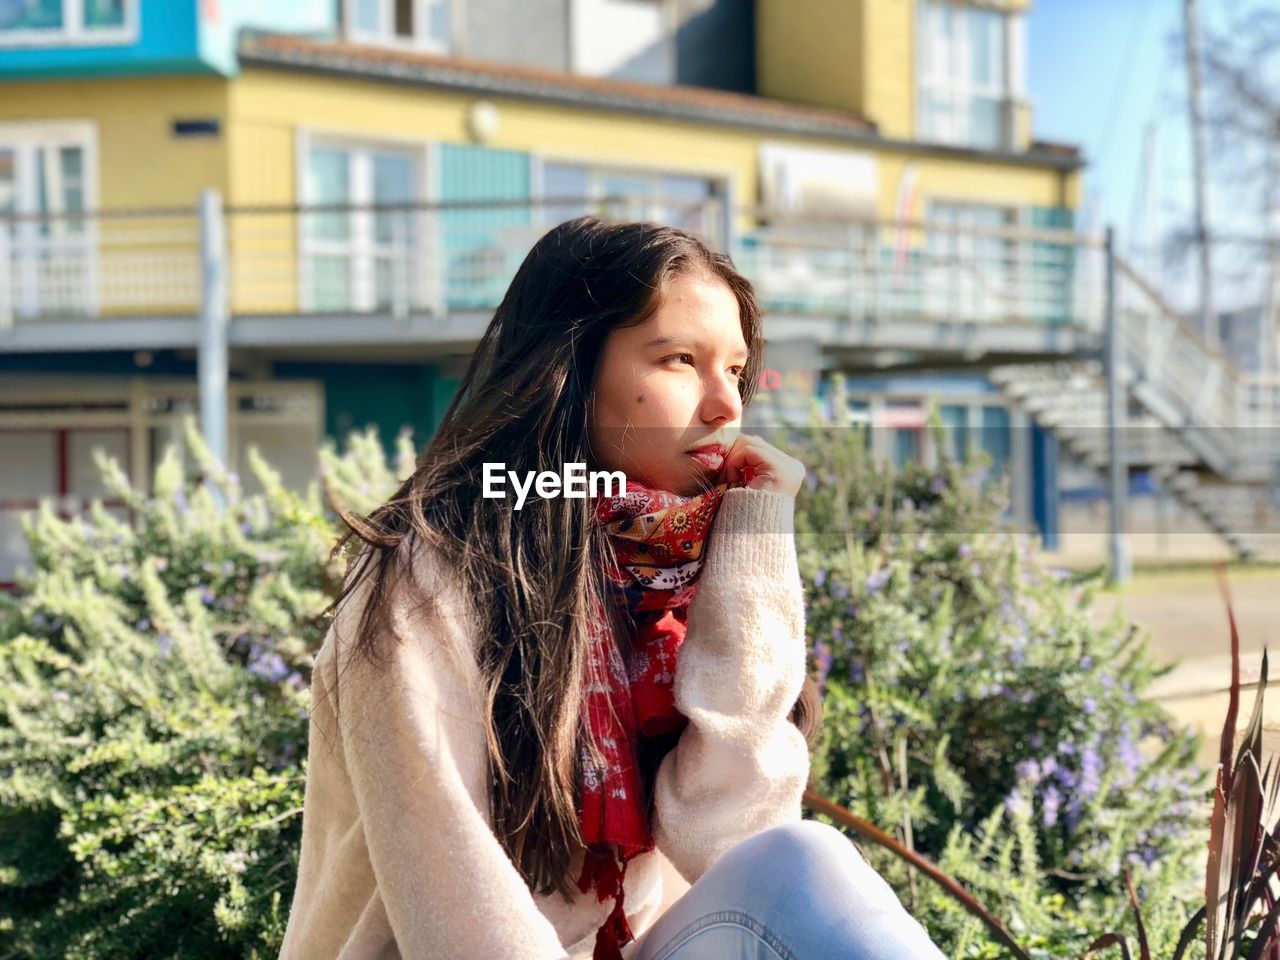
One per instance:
[(47, 259)]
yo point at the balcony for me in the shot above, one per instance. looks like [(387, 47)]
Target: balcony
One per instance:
[(122, 279)]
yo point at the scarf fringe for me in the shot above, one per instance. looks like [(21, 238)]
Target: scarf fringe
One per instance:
[(606, 874)]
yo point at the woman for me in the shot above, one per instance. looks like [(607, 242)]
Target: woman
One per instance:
[(508, 760)]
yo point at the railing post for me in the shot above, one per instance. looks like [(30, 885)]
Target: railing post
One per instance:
[(1117, 403), (399, 266), (212, 357), (6, 278), (871, 244)]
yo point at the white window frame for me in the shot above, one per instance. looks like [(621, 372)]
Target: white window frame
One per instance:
[(955, 292), (386, 36), (362, 245), (723, 185), (73, 32), (958, 87), (19, 250)]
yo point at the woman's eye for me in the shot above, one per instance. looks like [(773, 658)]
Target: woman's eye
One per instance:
[(678, 356), (737, 372)]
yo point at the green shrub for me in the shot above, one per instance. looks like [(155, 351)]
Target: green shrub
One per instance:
[(153, 712), (153, 703), (973, 705)]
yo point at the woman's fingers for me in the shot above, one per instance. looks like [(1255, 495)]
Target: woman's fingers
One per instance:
[(759, 465)]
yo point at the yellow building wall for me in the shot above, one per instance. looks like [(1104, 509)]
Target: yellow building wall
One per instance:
[(267, 108), (253, 163), (140, 162), (144, 264), (810, 51), (858, 55)]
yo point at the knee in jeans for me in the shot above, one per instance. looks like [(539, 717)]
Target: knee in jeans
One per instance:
[(806, 843)]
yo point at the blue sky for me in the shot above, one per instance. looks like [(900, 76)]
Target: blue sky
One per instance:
[(1098, 72)]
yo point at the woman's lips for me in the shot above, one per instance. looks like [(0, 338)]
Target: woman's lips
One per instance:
[(710, 459)]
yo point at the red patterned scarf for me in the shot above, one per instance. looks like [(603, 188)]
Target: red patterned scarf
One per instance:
[(658, 537)]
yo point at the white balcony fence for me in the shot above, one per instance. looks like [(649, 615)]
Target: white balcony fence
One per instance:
[(409, 258)]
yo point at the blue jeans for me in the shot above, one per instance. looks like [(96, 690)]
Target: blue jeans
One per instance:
[(799, 891)]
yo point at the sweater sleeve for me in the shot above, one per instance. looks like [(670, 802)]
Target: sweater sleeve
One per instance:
[(414, 751), (740, 766)]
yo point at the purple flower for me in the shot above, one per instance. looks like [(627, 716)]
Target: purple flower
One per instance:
[(1086, 662), (937, 484), (877, 580), (270, 667), (856, 673), (1050, 801), (965, 551), (1089, 706), (840, 590), (143, 625), (820, 578), (164, 643), (1129, 755), (837, 632), (207, 596), (1090, 772), (822, 655), (1028, 770), (246, 528), (1014, 802)]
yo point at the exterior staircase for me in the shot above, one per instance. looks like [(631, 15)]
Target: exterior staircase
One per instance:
[(1209, 436)]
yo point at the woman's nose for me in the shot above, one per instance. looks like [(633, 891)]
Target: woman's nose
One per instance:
[(721, 400)]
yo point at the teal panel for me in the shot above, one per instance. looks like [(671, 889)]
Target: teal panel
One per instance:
[(1052, 269), (443, 391), (386, 396), (955, 426), (483, 247)]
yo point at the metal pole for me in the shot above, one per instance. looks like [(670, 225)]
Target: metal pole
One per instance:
[(1208, 323), (1117, 401), (212, 358)]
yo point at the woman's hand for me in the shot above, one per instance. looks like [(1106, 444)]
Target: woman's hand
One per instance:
[(758, 465)]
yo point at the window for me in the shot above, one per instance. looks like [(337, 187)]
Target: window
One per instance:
[(997, 439), (970, 72), (360, 259), (972, 262), (680, 200), (52, 463), (57, 22), (418, 24), (955, 426), (49, 257)]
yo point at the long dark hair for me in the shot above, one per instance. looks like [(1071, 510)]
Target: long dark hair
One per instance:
[(532, 573)]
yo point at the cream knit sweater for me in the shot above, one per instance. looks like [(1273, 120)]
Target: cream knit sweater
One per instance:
[(398, 855)]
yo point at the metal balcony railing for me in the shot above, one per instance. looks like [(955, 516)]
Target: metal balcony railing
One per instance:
[(434, 259), (437, 257)]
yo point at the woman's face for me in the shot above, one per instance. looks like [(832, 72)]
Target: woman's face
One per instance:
[(669, 385)]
